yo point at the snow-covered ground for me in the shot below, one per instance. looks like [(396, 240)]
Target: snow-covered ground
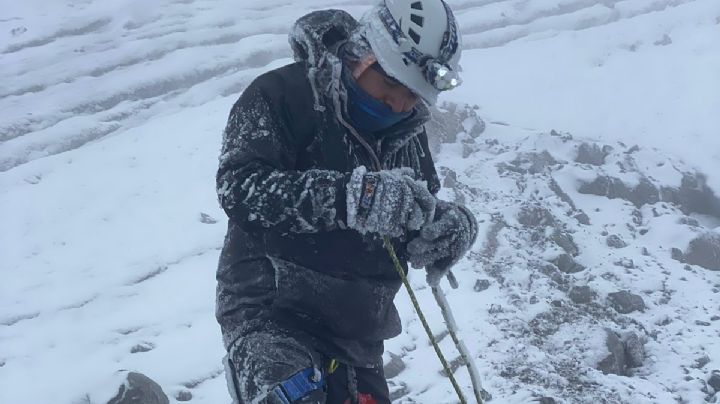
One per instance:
[(110, 128)]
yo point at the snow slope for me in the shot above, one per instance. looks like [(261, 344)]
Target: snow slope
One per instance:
[(110, 129)]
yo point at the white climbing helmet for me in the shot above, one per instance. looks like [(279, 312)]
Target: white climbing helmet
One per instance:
[(417, 42)]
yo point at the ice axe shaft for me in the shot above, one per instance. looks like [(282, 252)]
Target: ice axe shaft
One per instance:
[(480, 393), (391, 251)]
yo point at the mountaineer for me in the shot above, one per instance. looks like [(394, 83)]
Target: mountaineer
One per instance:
[(321, 160)]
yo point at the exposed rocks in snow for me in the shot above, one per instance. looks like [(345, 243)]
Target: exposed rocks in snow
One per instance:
[(634, 349), (545, 400), (592, 154), (582, 294), (701, 362), (704, 251), (207, 219), (449, 120), (555, 187), (481, 284), (142, 347), (566, 264), (534, 216), (714, 380), (531, 260), (615, 362), (184, 395), (625, 352), (532, 162), (394, 367), (582, 218), (625, 302), (677, 254), (450, 179), (665, 40), (615, 241), (626, 263), (693, 196), (566, 242), (139, 389), (644, 193)]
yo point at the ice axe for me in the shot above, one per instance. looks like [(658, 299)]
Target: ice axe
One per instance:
[(480, 393)]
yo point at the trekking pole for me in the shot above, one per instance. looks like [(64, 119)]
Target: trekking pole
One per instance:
[(480, 393), (448, 371)]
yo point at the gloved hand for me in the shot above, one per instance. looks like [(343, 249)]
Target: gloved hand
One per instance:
[(443, 242), (388, 202)]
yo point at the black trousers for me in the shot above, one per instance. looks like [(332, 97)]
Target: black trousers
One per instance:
[(259, 362)]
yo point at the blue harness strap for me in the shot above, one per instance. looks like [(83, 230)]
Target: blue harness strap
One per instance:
[(298, 385)]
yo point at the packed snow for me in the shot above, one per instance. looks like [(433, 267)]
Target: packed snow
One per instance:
[(112, 117)]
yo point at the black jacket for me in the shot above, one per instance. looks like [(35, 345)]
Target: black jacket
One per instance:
[(288, 260)]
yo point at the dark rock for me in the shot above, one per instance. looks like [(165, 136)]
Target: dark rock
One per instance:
[(714, 318), (555, 187), (565, 136), (399, 393), (701, 362), (565, 263), (583, 218), (184, 395), (704, 251), (139, 389), (615, 362), (677, 254), (533, 163), (634, 350), (625, 263), (702, 323), (714, 380), (591, 154), (644, 193), (394, 367), (615, 241), (689, 221), (450, 119), (207, 219), (546, 400), (693, 196), (582, 294), (665, 40), (142, 347), (625, 302), (481, 284), (566, 242), (645, 252), (495, 309), (450, 180), (534, 216)]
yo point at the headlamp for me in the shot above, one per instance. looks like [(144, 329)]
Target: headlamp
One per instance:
[(441, 76)]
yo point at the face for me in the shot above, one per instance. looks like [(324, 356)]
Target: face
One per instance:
[(386, 89)]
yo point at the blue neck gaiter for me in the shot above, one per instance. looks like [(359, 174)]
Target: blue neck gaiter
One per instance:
[(366, 113)]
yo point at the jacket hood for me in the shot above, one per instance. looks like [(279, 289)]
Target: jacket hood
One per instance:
[(316, 39)]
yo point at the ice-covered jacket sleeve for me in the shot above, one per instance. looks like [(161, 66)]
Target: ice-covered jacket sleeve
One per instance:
[(257, 183)]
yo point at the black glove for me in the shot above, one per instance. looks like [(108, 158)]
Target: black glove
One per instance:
[(443, 242), (388, 202)]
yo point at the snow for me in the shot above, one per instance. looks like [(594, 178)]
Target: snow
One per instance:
[(109, 140)]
